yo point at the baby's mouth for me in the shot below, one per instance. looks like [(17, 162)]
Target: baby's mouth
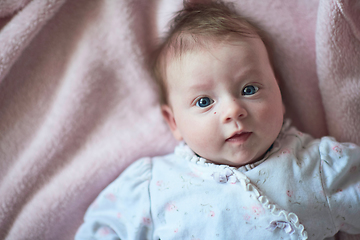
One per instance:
[(240, 137)]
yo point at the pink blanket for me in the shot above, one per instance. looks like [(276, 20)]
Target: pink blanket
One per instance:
[(77, 104)]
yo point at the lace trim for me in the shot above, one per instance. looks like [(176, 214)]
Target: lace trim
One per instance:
[(184, 151), (274, 209)]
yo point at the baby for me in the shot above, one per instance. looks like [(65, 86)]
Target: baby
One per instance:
[(241, 171)]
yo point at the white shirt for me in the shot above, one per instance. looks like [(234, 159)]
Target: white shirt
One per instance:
[(303, 188)]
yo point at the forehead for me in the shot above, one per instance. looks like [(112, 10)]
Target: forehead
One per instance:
[(184, 43), (199, 60)]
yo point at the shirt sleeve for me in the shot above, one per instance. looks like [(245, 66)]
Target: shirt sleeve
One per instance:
[(340, 175), (122, 210)]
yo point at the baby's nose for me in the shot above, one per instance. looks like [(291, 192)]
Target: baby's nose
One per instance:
[(233, 111)]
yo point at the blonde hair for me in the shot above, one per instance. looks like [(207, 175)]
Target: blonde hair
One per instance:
[(193, 27)]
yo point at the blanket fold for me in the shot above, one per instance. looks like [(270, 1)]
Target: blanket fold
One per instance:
[(17, 34), (338, 61), (9, 7)]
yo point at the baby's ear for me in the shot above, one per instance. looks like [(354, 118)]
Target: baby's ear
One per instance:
[(168, 115)]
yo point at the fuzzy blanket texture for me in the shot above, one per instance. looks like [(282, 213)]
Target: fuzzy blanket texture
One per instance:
[(78, 105)]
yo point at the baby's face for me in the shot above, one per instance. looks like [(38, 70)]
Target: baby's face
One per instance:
[(225, 102)]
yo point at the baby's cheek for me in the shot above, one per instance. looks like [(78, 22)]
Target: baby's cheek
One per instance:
[(197, 136), (204, 140)]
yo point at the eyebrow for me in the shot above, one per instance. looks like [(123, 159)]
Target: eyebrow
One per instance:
[(245, 72), (201, 86)]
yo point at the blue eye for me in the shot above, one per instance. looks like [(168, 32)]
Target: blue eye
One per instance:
[(204, 102), (250, 90)]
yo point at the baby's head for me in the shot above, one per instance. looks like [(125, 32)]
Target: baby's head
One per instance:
[(219, 92)]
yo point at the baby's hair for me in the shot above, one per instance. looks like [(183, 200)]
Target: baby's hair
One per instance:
[(194, 27)]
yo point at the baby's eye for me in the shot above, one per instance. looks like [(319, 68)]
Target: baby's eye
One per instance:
[(204, 102), (250, 90)]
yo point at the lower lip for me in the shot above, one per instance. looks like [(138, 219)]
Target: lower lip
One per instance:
[(239, 139)]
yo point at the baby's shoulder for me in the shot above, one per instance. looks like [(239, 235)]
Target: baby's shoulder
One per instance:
[(326, 150), (290, 135), (143, 168), (328, 146)]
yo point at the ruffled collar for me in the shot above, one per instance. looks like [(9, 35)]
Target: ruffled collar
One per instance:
[(185, 152)]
